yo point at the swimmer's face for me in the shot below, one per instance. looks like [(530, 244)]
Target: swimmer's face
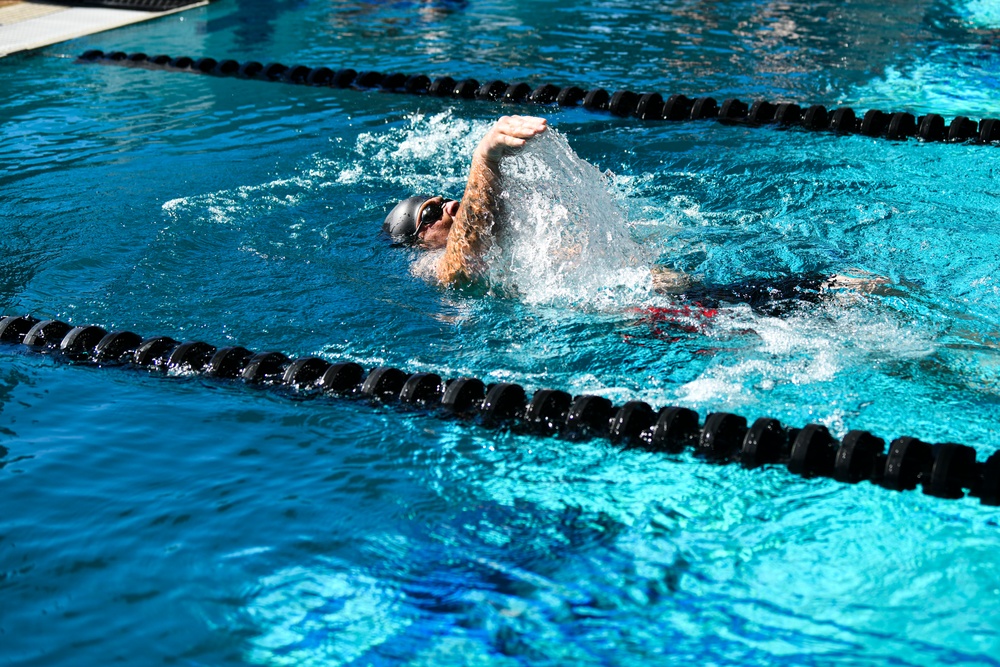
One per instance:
[(433, 230)]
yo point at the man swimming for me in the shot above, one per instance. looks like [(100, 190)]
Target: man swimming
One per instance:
[(463, 228)]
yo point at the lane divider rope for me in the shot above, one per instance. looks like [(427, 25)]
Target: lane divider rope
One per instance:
[(945, 470), (896, 126)]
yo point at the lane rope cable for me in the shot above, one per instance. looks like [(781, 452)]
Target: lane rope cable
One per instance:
[(896, 126), (945, 470)]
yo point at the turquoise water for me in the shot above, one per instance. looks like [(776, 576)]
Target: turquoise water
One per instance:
[(180, 520)]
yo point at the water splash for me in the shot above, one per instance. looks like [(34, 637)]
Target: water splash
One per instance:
[(563, 236), (430, 153), (233, 207)]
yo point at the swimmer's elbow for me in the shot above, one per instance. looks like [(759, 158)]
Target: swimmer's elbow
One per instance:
[(458, 271), (669, 281), (447, 278), (450, 273)]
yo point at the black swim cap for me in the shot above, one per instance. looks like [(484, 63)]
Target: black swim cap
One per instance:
[(401, 223)]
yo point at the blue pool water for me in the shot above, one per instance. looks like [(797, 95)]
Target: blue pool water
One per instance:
[(180, 520)]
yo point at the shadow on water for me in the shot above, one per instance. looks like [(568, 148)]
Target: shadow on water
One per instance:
[(254, 22), (505, 579)]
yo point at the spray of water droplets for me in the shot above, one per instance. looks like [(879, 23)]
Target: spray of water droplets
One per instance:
[(563, 237)]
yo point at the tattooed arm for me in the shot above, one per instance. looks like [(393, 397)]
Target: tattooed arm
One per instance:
[(469, 237)]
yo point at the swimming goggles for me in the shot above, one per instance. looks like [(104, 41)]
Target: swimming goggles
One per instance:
[(433, 211)]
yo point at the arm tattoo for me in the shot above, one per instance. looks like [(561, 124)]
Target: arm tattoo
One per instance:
[(470, 235)]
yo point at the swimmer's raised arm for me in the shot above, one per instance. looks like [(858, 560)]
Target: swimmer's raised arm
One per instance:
[(468, 237), (462, 228)]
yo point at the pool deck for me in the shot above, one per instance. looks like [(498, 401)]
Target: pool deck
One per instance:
[(26, 25)]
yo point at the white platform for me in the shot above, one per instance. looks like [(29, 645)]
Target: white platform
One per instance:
[(30, 25)]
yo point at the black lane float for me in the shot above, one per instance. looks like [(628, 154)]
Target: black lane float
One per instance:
[(898, 126), (945, 470)]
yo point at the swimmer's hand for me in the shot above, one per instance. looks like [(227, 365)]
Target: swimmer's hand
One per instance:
[(508, 135)]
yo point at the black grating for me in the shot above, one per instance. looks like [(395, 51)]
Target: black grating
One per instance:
[(143, 5)]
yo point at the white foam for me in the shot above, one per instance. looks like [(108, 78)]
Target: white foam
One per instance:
[(228, 207), (430, 154), (811, 347)]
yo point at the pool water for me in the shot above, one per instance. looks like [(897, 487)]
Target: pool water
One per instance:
[(189, 521)]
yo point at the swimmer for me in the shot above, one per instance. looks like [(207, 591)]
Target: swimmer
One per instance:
[(464, 229)]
